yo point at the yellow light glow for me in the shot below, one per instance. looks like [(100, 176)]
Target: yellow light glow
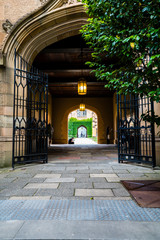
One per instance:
[(82, 87), (132, 45), (82, 107)]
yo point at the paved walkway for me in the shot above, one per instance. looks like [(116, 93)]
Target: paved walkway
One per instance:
[(84, 141), (77, 195)]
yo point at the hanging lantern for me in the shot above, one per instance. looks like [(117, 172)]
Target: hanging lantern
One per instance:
[(82, 86), (82, 107)]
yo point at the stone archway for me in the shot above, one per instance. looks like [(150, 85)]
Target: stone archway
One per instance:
[(51, 23), (82, 132), (55, 20), (70, 108)]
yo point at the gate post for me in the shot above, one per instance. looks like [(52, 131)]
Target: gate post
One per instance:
[(118, 136), (14, 109), (153, 136), (47, 117)]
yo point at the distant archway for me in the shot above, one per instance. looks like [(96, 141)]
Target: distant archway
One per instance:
[(83, 124), (82, 132)]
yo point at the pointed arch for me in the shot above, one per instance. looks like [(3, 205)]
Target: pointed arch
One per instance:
[(51, 23), (64, 123), (79, 133)]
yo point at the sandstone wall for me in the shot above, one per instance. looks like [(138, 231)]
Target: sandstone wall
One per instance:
[(13, 10), (103, 107)]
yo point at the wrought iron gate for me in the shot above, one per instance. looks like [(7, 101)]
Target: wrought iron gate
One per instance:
[(136, 138), (30, 113)]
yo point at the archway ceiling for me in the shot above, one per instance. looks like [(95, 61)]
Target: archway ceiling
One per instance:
[(64, 62)]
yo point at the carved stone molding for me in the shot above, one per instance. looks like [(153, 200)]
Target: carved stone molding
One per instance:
[(43, 1), (69, 2), (7, 26), (2, 60)]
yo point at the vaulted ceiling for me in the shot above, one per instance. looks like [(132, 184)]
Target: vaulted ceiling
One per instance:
[(64, 62)]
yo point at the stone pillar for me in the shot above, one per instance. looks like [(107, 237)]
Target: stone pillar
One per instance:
[(6, 114), (115, 140)]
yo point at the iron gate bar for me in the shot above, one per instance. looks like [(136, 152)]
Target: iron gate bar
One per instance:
[(30, 113), (136, 137), (153, 136)]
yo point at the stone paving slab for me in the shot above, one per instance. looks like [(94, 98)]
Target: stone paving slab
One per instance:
[(125, 175), (121, 171), (60, 192), (90, 171), (7, 180), (53, 168), (31, 198), (20, 175), (141, 170), (18, 184), (59, 180), (111, 198), (37, 180), (153, 176), (122, 166), (108, 171), (47, 176), (121, 192), (85, 180), (17, 192), (135, 178), (9, 229), (75, 175), (101, 167), (104, 175), (94, 192), (107, 185), (64, 171), (42, 185), (116, 179), (79, 230), (88, 230), (77, 168), (75, 185), (44, 171), (132, 176)]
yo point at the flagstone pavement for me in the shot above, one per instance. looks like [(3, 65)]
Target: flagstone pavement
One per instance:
[(79, 183)]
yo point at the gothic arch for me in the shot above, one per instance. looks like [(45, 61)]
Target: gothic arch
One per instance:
[(82, 126), (54, 21), (64, 123)]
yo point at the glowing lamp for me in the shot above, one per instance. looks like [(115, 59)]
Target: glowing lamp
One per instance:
[(82, 87), (82, 107), (132, 44)]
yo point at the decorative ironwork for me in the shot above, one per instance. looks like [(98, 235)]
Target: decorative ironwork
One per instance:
[(30, 115), (136, 138)]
